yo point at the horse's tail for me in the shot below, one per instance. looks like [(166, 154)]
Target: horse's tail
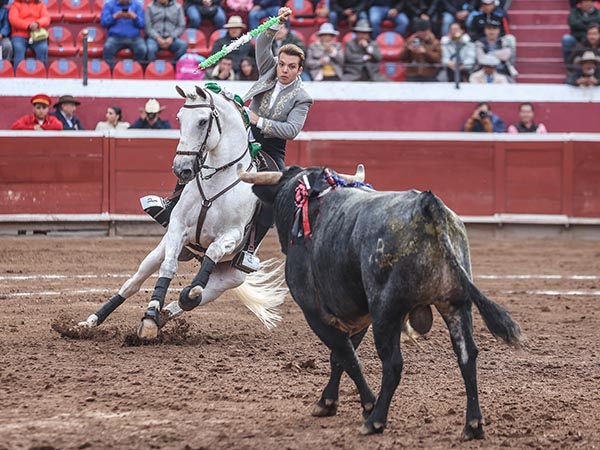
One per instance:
[(264, 290)]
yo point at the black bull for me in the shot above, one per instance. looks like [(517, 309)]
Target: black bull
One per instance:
[(374, 258)]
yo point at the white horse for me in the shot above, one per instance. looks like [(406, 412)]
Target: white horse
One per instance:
[(213, 212)]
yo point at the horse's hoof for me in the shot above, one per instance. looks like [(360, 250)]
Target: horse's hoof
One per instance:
[(372, 428), (90, 322), (187, 301), (325, 408), (473, 430), (148, 329)]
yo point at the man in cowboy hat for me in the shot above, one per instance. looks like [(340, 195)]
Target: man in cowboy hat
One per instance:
[(65, 110), (150, 117), (362, 55), (325, 59), (40, 119), (587, 70), (235, 27)]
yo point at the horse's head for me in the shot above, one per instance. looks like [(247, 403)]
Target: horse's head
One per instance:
[(200, 132)]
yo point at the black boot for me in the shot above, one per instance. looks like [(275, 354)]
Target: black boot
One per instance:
[(160, 208)]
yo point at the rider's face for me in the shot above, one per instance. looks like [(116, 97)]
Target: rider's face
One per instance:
[(288, 68)]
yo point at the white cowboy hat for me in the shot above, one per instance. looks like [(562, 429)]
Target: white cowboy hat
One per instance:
[(588, 55), (235, 22), (327, 28)]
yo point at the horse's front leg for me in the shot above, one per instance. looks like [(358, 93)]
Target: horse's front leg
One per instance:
[(191, 296), (173, 243)]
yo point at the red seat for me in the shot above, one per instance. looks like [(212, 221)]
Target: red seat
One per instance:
[(303, 14), (300, 36), (347, 38), (391, 44), (214, 37), (128, 69), (60, 42), (6, 69), (63, 68), (392, 71), (159, 70), (96, 39), (31, 68), (97, 6), (53, 10), (196, 41), (125, 53), (77, 11), (98, 68)]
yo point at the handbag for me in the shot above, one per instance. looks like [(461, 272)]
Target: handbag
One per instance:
[(41, 34)]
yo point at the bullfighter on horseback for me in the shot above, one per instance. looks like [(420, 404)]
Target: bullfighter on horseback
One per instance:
[(277, 112)]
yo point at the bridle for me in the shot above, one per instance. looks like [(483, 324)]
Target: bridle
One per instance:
[(201, 154)]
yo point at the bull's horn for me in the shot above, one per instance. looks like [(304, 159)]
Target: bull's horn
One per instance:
[(259, 177), (359, 176)]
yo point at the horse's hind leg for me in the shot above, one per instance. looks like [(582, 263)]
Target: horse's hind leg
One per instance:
[(149, 265)]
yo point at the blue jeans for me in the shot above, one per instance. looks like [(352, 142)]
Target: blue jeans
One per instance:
[(114, 44), (333, 18), (178, 48), (255, 16), (567, 44), (447, 19), (20, 45), (195, 18), (378, 14)]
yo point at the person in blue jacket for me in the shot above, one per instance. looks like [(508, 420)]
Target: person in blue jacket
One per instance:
[(5, 43), (124, 21)]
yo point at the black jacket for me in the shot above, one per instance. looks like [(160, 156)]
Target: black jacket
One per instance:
[(75, 123)]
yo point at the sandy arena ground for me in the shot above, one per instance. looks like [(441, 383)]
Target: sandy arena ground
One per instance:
[(220, 380)]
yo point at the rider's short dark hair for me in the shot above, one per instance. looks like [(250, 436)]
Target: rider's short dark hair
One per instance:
[(293, 50)]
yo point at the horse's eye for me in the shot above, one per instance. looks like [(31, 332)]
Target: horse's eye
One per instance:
[(202, 122)]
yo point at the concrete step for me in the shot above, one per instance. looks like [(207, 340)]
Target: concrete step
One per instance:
[(541, 78), (538, 50), (537, 17), (539, 33), (538, 5), (541, 65)]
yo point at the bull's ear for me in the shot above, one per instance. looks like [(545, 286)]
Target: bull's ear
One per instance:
[(318, 182), (266, 193)]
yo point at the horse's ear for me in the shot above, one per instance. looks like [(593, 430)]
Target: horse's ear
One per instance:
[(201, 92), (180, 91)]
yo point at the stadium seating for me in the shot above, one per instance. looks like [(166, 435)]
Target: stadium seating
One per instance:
[(98, 68), (31, 68), (53, 10), (300, 36), (63, 68), (392, 71), (391, 44), (128, 69), (96, 39), (303, 14), (347, 38), (6, 69), (196, 41), (60, 42), (159, 70), (214, 37), (77, 11)]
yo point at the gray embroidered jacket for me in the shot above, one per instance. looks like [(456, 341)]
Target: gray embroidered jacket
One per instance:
[(287, 116)]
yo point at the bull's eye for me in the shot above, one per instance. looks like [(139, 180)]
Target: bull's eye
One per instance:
[(202, 122)]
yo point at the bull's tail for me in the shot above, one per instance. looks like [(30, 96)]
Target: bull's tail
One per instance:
[(496, 318), (263, 291)]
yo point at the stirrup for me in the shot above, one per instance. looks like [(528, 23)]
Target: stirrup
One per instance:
[(157, 207)]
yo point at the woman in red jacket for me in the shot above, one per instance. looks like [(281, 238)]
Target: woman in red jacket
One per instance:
[(26, 16), (40, 119)]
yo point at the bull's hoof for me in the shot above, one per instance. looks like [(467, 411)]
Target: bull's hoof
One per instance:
[(367, 409), (372, 428), (473, 430), (185, 302), (325, 408)]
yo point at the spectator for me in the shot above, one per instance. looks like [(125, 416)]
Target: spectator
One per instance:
[(453, 11), (65, 112), (580, 18), (247, 71), (40, 119), (421, 9), (196, 10), (587, 72), (422, 53), (283, 37), (381, 10), (483, 120), (325, 59), (488, 73), (123, 20), (361, 62), (164, 22), (114, 120), (150, 118), (235, 28), (590, 43), (222, 71), (457, 42), (5, 43), (262, 9), (488, 12), (239, 7), (28, 19), (526, 123), (347, 10), (502, 48)]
